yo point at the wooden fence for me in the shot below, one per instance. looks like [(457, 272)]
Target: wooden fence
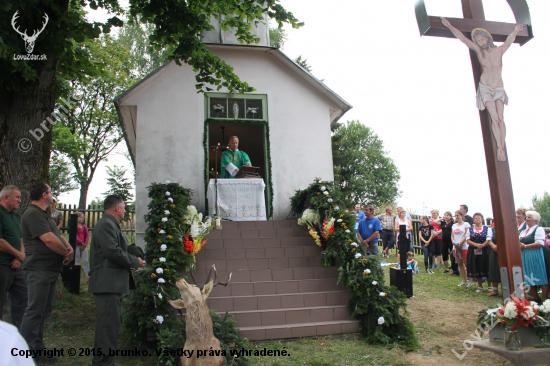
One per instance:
[(92, 215)]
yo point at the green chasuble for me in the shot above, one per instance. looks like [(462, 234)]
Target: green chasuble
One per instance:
[(237, 158)]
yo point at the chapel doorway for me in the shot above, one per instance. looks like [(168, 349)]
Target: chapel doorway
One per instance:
[(253, 139)]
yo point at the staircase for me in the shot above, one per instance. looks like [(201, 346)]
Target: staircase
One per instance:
[(278, 289)]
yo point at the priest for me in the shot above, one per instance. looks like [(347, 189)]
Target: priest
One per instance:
[(233, 159)]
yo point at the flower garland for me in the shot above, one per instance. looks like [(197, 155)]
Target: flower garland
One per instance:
[(379, 308)]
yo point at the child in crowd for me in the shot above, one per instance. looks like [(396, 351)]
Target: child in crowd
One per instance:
[(412, 263), (426, 237), (547, 243), (82, 238)]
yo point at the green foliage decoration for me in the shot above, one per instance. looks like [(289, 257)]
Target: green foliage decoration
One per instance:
[(165, 259), (371, 299)]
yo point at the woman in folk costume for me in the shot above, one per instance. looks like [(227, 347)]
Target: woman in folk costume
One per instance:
[(536, 261), (478, 251)]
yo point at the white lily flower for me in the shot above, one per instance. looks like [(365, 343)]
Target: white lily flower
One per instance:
[(164, 219), (167, 193), (354, 245), (339, 220), (323, 188), (367, 271), (166, 212), (163, 247), (159, 319), (162, 259), (358, 255), (159, 295), (159, 270), (329, 200), (374, 283), (383, 294), (161, 280), (381, 320), (170, 199), (336, 208), (162, 232), (325, 193), (347, 231)]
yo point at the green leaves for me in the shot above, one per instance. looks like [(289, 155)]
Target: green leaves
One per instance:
[(362, 170)]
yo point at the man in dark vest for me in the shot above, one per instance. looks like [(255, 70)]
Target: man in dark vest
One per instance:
[(110, 265)]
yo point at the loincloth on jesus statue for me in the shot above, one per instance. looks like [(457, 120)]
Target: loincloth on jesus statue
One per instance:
[(486, 93)]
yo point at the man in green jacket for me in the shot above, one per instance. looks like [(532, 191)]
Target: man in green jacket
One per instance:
[(110, 265), (233, 159)]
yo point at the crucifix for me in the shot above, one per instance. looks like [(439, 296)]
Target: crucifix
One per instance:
[(493, 130)]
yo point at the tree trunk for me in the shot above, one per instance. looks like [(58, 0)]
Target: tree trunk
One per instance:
[(83, 194), (25, 134)]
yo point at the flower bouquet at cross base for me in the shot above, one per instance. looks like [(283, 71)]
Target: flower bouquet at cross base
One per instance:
[(518, 312), (320, 232), (542, 323), (195, 230)]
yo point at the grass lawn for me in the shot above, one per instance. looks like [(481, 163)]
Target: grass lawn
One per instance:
[(444, 316)]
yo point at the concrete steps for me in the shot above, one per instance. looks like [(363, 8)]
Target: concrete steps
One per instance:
[(278, 288)]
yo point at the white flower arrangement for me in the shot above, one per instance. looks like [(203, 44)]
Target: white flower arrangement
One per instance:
[(382, 294), (367, 271), (381, 320), (166, 212), (161, 280), (164, 219), (329, 200), (374, 283), (354, 245), (336, 208), (309, 218), (167, 193), (170, 199), (347, 231), (325, 193), (544, 307), (159, 270), (357, 255), (162, 232), (339, 220), (162, 259), (323, 188), (163, 248), (159, 319)]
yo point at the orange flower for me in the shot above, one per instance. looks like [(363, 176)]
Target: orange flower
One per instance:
[(153, 275), (169, 236)]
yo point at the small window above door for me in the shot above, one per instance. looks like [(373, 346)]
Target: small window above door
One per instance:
[(236, 106)]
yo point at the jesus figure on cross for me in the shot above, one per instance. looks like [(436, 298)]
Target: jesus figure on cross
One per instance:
[(490, 93)]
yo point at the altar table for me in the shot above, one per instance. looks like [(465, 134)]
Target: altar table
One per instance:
[(238, 199)]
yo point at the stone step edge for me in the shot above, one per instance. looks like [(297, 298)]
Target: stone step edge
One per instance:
[(283, 309), (295, 325), (344, 291), (253, 269)]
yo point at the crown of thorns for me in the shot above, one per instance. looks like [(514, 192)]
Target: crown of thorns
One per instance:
[(481, 32)]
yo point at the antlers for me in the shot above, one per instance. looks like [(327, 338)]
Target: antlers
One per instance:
[(24, 34), (216, 281)]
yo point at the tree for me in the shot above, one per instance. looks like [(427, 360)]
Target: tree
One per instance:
[(303, 63), (61, 176), (144, 57), (90, 132), (362, 170), (277, 37), (542, 206), (29, 89), (119, 184)]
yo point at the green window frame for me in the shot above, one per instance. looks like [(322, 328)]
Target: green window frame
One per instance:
[(251, 106)]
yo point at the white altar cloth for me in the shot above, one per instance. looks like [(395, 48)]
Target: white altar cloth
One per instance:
[(238, 199)]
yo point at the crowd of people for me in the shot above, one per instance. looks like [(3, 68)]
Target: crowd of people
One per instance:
[(470, 243), (33, 253)]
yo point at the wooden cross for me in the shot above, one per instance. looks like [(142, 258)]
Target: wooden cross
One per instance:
[(500, 184)]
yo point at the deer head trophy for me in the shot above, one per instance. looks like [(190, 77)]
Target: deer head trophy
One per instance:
[(199, 330), (29, 40)]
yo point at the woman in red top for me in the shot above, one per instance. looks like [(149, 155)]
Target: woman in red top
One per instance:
[(437, 240), (82, 239)]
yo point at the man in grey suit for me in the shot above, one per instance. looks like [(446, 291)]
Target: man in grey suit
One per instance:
[(110, 265)]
